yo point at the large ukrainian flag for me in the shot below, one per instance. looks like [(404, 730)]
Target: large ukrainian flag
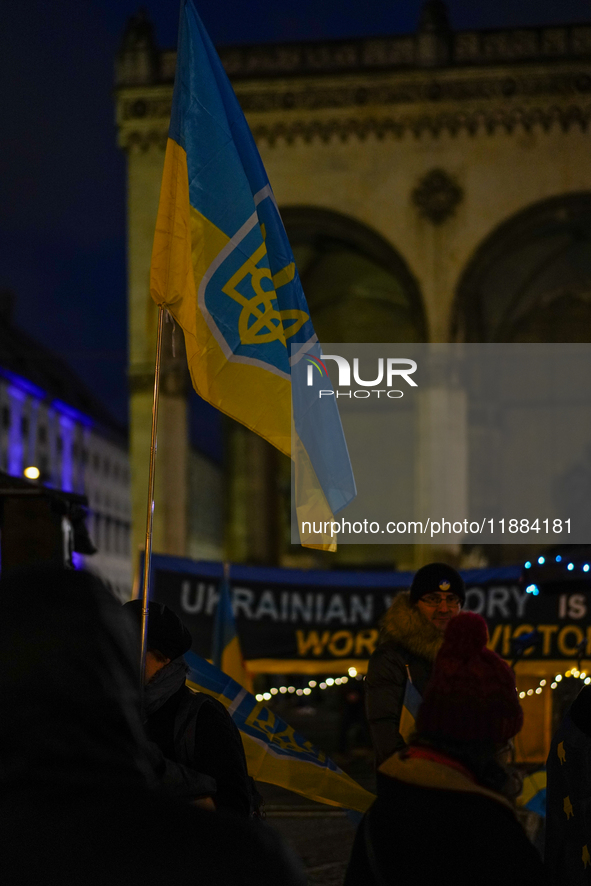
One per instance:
[(223, 267)]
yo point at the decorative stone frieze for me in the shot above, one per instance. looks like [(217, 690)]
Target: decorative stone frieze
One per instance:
[(315, 96), (423, 124), (429, 82), (428, 106)]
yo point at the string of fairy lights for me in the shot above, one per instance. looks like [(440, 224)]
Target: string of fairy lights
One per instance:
[(533, 589), (543, 684), (352, 674), (312, 684), (340, 681), (569, 565)]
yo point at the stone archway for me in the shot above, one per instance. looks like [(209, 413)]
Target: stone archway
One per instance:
[(357, 286), (358, 289), (530, 280)]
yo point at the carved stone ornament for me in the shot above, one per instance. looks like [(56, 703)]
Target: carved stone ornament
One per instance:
[(437, 195)]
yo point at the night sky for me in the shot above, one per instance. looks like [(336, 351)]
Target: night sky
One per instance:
[(62, 181)]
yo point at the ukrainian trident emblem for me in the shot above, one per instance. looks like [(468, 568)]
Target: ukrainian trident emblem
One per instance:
[(251, 296)]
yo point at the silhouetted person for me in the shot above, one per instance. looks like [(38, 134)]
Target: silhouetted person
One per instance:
[(75, 802), (411, 635), (190, 728), (567, 855), (353, 726)]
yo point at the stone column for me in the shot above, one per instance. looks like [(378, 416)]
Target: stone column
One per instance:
[(253, 522), (15, 435), (441, 468), (144, 176), (143, 111)]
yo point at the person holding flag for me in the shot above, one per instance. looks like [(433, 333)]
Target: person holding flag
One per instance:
[(399, 669), (190, 728), (78, 803), (223, 268)]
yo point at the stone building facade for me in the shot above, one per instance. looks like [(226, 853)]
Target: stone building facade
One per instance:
[(435, 187)]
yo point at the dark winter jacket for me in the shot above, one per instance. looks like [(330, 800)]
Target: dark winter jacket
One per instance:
[(432, 823), (75, 803), (409, 645), (567, 854), (196, 731)]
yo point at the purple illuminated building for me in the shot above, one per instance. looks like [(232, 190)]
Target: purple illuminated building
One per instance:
[(49, 421)]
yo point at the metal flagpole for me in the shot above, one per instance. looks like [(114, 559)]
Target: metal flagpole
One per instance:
[(150, 514)]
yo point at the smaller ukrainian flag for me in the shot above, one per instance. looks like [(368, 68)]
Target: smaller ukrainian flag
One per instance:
[(227, 655), (533, 795), (410, 709)]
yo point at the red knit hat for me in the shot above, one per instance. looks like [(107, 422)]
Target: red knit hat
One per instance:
[(471, 695)]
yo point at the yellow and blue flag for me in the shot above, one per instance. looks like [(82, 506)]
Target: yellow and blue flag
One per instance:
[(410, 709), (223, 267), (275, 753), (226, 654), (533, 794)]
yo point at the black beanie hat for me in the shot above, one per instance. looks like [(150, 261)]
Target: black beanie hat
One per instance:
[(437, 577), (166, 632)]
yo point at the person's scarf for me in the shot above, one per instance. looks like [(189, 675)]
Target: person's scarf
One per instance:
[(164, 684)]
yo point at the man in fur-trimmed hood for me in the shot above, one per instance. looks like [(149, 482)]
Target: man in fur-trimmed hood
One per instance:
[(412, 632)]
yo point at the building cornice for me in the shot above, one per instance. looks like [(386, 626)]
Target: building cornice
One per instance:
[(431, 81), (407, 51), (399, 52), (447, 100)]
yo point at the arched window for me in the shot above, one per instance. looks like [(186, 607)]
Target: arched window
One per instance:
[(357, 286), (530, 281)]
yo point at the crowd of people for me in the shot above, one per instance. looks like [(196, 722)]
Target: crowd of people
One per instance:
[(87, 796), (107, 778)]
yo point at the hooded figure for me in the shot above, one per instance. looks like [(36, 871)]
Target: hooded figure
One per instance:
[(192, 730), (76, 802), (412, 633), (442, 811)]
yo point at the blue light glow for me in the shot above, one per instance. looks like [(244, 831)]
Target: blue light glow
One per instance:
[(23, 384), (67, 426), (527, 565), (586, 567), (532, 589), (541, 560), (558, 558), (570, 567), (71, 412)]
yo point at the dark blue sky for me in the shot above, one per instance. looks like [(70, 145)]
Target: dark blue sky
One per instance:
[(62, 179)]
